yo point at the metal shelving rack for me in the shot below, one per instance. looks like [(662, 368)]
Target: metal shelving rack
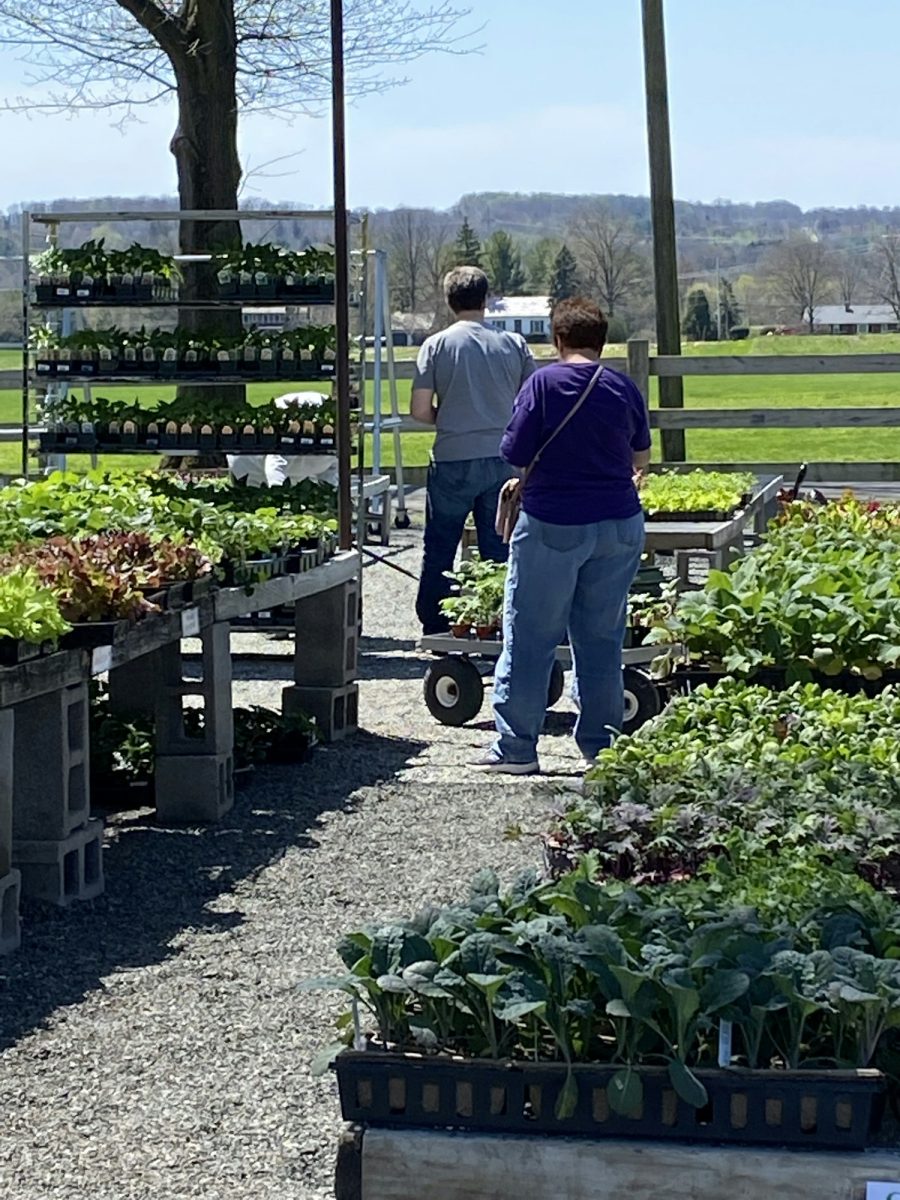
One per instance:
[(30, 380)]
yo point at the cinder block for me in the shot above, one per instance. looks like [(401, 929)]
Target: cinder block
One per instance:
[(10, 930), (61, 872), (327, 637), (7, 720), (194, 789), (213, 689), (335, 710), (134, 685), (50, 765)]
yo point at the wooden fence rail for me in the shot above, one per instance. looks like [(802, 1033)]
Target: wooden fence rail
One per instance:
[(640, 365)]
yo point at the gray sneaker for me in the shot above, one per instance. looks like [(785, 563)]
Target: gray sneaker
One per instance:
[(493, 763)]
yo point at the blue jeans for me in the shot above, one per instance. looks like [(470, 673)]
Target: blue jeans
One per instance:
[(565, 577), (456, 489)]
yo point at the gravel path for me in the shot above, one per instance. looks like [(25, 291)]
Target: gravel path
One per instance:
[(153, 1044)]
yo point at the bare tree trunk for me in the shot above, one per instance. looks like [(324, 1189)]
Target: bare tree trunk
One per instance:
[(205, 150)]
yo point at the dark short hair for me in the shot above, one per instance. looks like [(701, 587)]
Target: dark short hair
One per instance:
[(466, 288), (578, 324)]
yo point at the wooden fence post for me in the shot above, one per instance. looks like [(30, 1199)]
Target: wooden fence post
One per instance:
[(639, 366)]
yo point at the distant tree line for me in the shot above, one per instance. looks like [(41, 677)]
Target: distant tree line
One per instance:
[(774, 263)]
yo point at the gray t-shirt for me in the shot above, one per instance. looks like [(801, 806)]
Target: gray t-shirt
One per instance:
[(476, 373)]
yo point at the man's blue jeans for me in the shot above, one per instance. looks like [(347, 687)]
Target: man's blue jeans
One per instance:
[(563, 578), (456, 489)]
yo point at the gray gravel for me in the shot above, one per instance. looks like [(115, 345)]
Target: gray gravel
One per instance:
[(153, 1043)]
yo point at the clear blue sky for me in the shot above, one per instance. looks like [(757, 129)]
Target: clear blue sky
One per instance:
[(794, 99)]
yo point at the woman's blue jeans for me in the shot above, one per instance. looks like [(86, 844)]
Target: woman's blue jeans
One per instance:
[(565, 578)]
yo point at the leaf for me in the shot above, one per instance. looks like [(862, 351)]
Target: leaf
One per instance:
[(325, 1057), (723, 988), (567, 1100), (617, 1007), (625, 1092), (687, 1085), (520, 996)]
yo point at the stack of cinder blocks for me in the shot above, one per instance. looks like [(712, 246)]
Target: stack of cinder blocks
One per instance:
[(10, 879), (56, 846), (195, 776), (325, 660)]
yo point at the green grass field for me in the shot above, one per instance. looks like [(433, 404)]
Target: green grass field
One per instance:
[(775, 391), (733, 445)]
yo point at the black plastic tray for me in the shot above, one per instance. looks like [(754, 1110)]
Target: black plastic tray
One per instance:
[(831, 1110), (685, 678)]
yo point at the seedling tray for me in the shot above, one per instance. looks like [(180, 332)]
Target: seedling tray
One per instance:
[(88, 635), (14, 651), (686, 678), (828, 1110)]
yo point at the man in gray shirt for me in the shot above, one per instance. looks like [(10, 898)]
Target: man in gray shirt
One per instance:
[(474, 372)]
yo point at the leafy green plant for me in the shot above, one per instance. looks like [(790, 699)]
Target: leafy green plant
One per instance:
[(695, 491), (820, 595), (477, 597), (578, 971), (737, 771), (29, 611)]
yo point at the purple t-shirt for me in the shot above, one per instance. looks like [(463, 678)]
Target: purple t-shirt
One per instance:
[(585, 474)]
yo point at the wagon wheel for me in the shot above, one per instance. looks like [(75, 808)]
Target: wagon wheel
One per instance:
[(642, 699), (454, 690), (557, 683)]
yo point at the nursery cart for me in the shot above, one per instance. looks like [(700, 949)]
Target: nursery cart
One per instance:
[(454, 685)]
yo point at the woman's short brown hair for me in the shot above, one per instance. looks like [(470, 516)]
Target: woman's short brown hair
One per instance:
[(578, 324)]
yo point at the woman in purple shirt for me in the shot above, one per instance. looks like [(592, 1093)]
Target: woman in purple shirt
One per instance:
[(577, 543)]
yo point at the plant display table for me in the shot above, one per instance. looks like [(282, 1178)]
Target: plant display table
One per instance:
[(48, 843), (720, 539)]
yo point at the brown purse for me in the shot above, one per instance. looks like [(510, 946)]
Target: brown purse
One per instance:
[(509, 502)]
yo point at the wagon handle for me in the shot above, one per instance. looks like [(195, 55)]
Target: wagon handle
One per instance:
[(801, 475)]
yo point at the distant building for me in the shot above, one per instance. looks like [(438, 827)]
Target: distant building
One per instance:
[(528, 315), (272, 318), (411, 329), (855, 318)]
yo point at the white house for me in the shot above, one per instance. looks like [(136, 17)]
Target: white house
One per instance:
[(528, 315), (856, 318)]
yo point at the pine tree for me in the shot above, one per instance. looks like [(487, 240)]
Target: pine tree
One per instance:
[(564, 279), (698, 322), (729, 309), (539, 260), (467, 247), (503, 264)]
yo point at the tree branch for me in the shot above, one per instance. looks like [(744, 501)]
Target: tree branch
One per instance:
[(163, 26)]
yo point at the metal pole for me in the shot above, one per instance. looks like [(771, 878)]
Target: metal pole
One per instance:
[(26, 338), (377, 361), (342, 275), (665, 255)]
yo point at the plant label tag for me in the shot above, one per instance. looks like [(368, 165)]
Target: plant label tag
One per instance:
[(725, 1033), (883, 1191), (101, 660), (190, 622)]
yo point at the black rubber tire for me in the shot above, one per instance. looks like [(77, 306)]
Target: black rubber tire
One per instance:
[(557, 683), (402, 521), (454, 690), (642, 699)]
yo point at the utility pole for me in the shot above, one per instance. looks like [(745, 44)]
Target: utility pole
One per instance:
[(341, 275), (662, 203)]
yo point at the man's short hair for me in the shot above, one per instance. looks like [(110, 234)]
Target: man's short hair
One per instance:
[(466, 289), (578, 324)]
